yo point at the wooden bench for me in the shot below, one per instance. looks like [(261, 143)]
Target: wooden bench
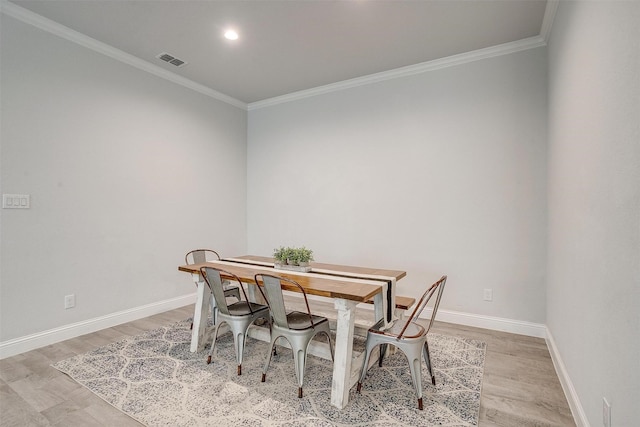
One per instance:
[(363, 318), (402, 303)]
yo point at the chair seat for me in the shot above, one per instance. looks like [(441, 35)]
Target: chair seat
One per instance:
[(300, 321), (241, 308), (414, 330)]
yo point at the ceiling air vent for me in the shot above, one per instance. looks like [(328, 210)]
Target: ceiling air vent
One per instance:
[(164, 56)]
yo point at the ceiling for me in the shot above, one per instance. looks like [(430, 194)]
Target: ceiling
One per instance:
[(290, 46)]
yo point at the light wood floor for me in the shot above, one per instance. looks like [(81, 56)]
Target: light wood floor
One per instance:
[(520, 386)]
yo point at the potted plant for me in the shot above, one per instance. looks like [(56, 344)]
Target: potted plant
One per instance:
[(281, 255), (293, 258), (304, 256)]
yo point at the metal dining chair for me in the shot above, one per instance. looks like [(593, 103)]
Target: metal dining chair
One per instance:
[(198, 256), (409, 336), (296, 327), (239, 315)]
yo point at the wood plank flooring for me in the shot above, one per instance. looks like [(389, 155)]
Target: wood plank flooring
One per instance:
[(520, 386)]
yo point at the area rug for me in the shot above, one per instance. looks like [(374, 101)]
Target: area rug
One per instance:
[(156, 380)]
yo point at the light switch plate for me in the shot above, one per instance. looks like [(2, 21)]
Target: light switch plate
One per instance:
[(69, 301), (16, 201)]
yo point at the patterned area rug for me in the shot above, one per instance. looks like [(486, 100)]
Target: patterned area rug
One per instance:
[(155, 379)]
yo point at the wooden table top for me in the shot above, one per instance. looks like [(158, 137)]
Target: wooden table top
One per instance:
[(397, 274), (328, 286)]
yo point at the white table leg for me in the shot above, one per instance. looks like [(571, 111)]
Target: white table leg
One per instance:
[(343, 352), (200, 315), (254, 294)]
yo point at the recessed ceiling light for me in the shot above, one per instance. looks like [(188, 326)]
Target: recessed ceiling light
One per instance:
[(231, 35)]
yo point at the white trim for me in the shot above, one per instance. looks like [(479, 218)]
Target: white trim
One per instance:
[(502, 324), (547, 22), (570, 393), (489, 322), (30, 342), (60, 30), (53, 27), (450, 61)]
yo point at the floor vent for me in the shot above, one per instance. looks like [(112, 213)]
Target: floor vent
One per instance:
[(166, 57)]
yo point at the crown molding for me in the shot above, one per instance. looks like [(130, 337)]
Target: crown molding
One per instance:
[(450, 61), (55, 28), (547, 22), (59, 30)]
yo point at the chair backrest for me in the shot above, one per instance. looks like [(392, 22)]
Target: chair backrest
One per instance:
[(198, 256), (436, 289), (273, 290), (213, 277)]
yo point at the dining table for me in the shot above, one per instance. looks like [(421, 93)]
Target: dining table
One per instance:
[(346, 286)]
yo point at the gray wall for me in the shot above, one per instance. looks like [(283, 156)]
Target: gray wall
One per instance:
[(443, 172), (593, 301), (438, 173), (126, 172)]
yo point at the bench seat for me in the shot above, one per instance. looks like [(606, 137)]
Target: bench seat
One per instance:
[(403, 303)]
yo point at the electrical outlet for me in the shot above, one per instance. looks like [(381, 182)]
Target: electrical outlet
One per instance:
[(16, 201), (69, 301), (488, 295), (606, 413)]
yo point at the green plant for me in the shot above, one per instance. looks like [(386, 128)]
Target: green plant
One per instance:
[(292, 256), (281, 254), (304, 255)]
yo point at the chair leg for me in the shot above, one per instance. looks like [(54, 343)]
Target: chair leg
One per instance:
[(383, 351), (241, 335), (272, 351), (416, 376), (213, 310), (299, 357), (427, 360), (213, 343), (239, 340), (273, 347), (328, 334), (363, 374)]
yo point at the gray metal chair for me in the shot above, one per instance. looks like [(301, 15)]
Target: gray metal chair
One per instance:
[(198, 256), (409, 336), (239, 316), (296, 327)]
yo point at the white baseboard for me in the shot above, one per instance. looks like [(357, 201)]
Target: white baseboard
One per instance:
[(577, 411), (502, 324), (31, 342), (489, 322)]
